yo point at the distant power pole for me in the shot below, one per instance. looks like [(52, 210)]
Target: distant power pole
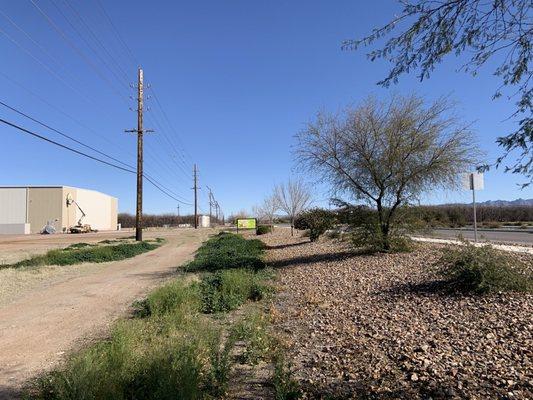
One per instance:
[(178, 210), (210, 203), (195, 174)]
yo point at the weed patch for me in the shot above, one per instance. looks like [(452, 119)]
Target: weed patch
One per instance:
[(226, 290), (228, 251), (83, 254)]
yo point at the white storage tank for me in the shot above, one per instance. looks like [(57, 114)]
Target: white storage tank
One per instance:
[(204, 221)]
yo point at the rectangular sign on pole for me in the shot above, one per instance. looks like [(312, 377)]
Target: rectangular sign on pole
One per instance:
[(246, 223), (473, 181)]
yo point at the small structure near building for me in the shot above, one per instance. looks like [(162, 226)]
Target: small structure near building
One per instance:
[(29, 209), (204, 221)]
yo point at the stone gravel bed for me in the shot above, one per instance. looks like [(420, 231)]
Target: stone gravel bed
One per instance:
[(381, 326)]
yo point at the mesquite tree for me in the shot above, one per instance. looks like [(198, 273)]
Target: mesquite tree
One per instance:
[(388, 153), (292, 198), (499, 31)]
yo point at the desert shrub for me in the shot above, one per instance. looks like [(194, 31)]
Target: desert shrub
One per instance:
[(263, 229), (90, 254), (227, 289), (176, 297), (316, 220), (368, 236), (484, 270), (228, 251)]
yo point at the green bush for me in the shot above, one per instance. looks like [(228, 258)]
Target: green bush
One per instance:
[(263, 229), (226, 290), (228, 251), (484, 270), (86, 254), (176, 297), (155, 358), (316, 220)]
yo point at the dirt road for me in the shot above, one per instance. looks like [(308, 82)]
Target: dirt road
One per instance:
[(47, 321)]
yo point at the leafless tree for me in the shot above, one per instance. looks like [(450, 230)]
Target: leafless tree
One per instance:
[(267, 210), (388, 153), (292, 198)]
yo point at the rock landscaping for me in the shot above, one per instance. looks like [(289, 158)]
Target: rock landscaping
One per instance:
[(385, 326)]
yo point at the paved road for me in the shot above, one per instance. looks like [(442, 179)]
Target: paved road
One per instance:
[(515, 236)]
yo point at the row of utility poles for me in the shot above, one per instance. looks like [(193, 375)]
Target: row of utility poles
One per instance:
[(214, 203), (140, 134)]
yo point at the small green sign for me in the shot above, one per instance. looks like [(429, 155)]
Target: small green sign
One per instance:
[(246, 223)]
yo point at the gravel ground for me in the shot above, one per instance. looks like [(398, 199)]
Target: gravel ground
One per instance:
[(378, 326)]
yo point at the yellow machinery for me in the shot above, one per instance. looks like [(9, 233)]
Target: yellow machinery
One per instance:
[(80, 227)]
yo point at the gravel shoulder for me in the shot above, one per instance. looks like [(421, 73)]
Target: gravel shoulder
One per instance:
[(67, 308), (380, 326)]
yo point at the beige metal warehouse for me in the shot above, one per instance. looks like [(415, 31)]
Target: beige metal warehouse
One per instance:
[(27, 209)]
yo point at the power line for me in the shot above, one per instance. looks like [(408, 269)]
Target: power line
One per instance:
[(117, 33), (82, 144), (63, 134), (80, 52), (34, 134)]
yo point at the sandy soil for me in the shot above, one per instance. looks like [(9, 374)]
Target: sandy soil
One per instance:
[(64, 308)]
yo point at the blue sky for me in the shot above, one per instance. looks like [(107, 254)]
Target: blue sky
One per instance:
[(236, 79)]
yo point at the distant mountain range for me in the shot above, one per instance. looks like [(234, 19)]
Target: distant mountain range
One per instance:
[(507, 203)]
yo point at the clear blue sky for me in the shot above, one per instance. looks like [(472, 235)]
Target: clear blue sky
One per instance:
[(237, 80)]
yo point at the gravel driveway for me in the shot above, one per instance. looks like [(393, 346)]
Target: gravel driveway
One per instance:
[(378, 326)]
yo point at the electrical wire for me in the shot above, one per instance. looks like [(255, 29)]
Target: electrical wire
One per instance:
[(34, 134)]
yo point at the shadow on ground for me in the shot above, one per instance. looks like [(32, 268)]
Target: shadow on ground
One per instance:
[(315, 258)]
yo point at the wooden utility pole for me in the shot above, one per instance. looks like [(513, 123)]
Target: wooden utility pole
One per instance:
[(140, 131), (139, 214), (195, 174)]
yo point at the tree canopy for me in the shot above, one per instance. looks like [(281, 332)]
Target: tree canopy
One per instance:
[(426, 31), (388, 153)]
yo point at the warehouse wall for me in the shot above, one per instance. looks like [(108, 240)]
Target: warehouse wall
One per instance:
[(45, 204), (114, 213), (98, 207), (13, 205)]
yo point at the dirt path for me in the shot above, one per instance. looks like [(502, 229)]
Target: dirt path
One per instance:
[(39, 327)]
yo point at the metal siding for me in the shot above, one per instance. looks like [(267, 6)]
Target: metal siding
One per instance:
[(114, 213), (12, 205), (97, 207), (45, 204)]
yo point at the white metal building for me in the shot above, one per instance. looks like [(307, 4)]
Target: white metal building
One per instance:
[(27, 209)]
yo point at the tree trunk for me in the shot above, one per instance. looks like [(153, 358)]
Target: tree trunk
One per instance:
[(385, 236), (292, 227)]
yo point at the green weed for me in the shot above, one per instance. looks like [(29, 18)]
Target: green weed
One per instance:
[(227, 251), (91, 254)]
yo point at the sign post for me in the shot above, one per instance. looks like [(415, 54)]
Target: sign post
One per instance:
[(473, 181)]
